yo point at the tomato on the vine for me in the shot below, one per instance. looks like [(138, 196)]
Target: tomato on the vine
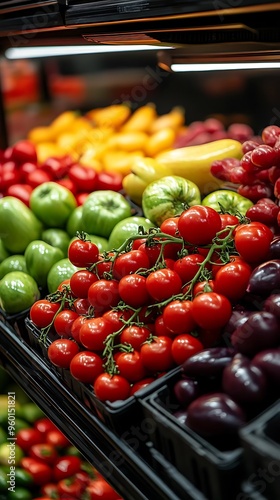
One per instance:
[(100, 489), (133, 290), (40, 472), (252, 241), (63, 322), (86, 366), (211, 310), (66, 466), (156, 355), (83, 252), (135, 336), (111, 387), (232, 279), (42, 312), (184, 346), (94, 332), (188, 266), (199, 224), (61, 351), (130, 365), (44, 452), (71, 486), (103, 294), (177, 316), (163, 283), (130, 262), (80, 282), (57, 439)]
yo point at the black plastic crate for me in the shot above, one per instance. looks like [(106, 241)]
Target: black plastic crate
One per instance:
[(16, 321), (116, 415), (216, 473), (261, 444)]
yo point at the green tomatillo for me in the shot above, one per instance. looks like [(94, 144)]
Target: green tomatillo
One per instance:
[(52, 204), (102, 210), (40, 257), (224, 200)]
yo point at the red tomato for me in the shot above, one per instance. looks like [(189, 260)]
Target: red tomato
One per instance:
[(9, 175), (232, 279), (84, 178), (20, 191), (137, 243), (26, 168), (156, 355), (40, 472), (252, 241), (211, 310), (203, 286), (163, 283), (141, 384), (71, 486), (81, 198), (44, 452), (228, 220), (117, 318), (101, 490), (50, 490), (152, 251), (81, 306), (94, 333), (170, 226), (44, 425), (76, 328), (198, 225), (103, 266), (177, 316), (86, 366), (133, 290), (82, 252), (57, 439), (187, 267), (135, 336), (68, 184), (63, 322), (23, 151), (27, 437), (56, 167), (130, 262), (42, 312), (109, 180), (111, 387), (80, 282), (66, 466), (104, 294), (61, 351), (131, 366), (161, 328), (184, 346), (37, 177)]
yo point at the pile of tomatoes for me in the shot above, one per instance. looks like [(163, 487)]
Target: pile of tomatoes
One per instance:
[(131, 314), (55, 469)]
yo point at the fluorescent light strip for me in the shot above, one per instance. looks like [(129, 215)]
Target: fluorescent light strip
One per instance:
[(224, 66), (32, 52)]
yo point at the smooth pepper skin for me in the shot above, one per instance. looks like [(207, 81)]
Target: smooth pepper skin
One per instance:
[(40, 257)]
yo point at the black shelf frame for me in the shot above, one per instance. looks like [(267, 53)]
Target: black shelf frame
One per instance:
[(121, 465)]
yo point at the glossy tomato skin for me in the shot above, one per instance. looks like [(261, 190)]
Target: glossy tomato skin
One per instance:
[(232, 279), (42, 312), (103, 294), (184, 346), (133, 290), (109, 180), (94, 332), (111, 388), (177, 316), (135, 336), (84, 178), (163, 283), (66, 466), (20, 191), (252, 241), (61, 351), (40, 472), (83, 253), (27, 437), (44, 452), (86, 366), (71, 486), (129, 263), (188, 266), (170, 226), (131, 366), (63, 322), (44, 425), (56, 438), (101, 490), (156, 355), (80, 282), (211, 310), (198, 225)]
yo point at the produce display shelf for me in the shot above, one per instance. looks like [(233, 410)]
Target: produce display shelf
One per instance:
[(125, 469)]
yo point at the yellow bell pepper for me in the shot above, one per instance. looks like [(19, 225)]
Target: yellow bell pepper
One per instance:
[(194, 162), (134, 187)]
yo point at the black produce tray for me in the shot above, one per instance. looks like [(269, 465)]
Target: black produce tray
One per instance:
[(261, 444), (16, 321), (216, 474), (116, 414)]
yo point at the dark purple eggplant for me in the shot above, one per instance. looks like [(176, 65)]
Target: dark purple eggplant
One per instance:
[(186, 390), (265, 279), (274, 251), (260, 331), (272, 304), (269, 362), (214, 415), (208, 362), (243, 381)]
